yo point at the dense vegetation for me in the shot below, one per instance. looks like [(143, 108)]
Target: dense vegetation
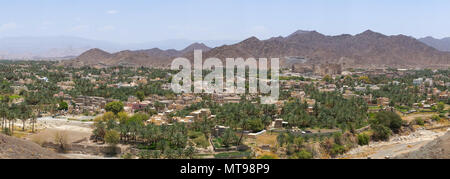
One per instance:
[(331, 111)]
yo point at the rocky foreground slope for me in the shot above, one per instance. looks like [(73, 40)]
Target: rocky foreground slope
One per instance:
[(13, 148), (436, 149)]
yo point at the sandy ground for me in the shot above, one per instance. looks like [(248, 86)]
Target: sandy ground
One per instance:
[(396, 145), (75, 130), (48, 127), (64, 124), (60, 123)]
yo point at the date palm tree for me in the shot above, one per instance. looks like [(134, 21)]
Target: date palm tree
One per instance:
[(11, 117), (33, 122), (3, 113), (25, 116)]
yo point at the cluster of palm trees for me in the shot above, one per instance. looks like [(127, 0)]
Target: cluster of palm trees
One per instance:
[(11, 113)]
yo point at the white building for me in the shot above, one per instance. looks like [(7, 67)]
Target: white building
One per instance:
[(418, 81)]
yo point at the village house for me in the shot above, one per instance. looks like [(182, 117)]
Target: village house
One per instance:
[(298, 94), (159, 119), (218, 131), (418, 81), (132, 99), (136, 106), (201, 114), (66, 85), (368, 98), (279, 123), (443, 95), (90, 104), (383, 101), (18, 89), (360, 89), (349, 94), (428, 82)]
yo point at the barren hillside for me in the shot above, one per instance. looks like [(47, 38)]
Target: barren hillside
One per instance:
[(13, 148)]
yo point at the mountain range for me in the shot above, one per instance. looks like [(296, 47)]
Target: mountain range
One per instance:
[(48, 47), (152, 57), (365, 49), (67, 47), (440, 44)]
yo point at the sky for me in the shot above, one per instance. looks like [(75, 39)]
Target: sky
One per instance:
[(139, 21)]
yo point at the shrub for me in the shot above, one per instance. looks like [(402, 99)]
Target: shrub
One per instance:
[(381, 132), (291, 149), (337, 138), (63, 106), (303, 154), (420, 121), (144, 154), (201, 141), (61, 140), (156, 154), (363, 139), (337, 150), (436, 118), (127, 156), (440, 107)]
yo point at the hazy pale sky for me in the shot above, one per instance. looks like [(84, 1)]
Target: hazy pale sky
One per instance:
[(131, 21)]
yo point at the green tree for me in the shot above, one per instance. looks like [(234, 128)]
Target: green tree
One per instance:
[(114, 107), (189, 152), (99, 130), (388, 119), (3, 113), (299, 141), (363, 139), (381, 132), (140, 95), (440, 106), (303, 154), (255, 125), (63, 106), (24, 114), (229, 137), (112, 137), (327, 78), (11, 117)]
